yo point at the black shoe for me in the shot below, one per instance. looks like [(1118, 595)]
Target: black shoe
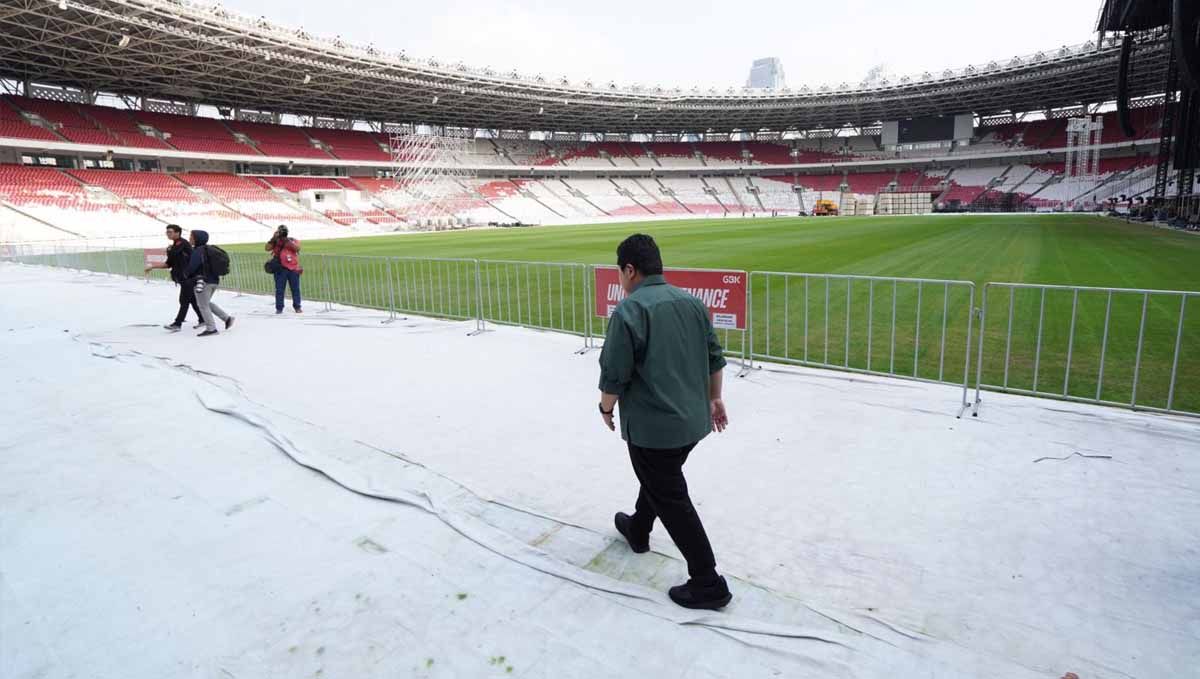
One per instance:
[(622, 521), (707, 596), (229, 322), (206, 333), (173, 327)]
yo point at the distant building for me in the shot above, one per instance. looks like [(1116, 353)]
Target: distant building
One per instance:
[(766, 74)]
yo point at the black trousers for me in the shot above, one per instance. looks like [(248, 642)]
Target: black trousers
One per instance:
[(187, 298), (664, 495)]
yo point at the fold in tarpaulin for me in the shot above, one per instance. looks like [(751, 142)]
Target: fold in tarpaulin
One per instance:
[(1038, 539)]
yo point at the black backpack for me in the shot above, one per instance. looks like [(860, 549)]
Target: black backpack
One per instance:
[(217, 260)]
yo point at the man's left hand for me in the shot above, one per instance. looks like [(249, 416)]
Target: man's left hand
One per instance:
[(608, 420)]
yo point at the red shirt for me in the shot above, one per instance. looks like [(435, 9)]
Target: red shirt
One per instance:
[(289, 255)]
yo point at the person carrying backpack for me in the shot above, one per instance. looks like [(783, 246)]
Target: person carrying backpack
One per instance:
[(285, 265), (178, 257), (207, 265)]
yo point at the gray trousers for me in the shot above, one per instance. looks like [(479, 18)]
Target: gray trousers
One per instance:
[(208, 308)]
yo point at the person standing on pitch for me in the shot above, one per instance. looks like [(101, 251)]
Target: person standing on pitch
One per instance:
[(201, 275), (663, 364), (286, 251), (178, 256)]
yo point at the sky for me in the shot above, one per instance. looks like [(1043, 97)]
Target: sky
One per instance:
[(675, 43)]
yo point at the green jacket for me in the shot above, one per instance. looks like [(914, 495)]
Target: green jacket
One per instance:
[(658, 356)]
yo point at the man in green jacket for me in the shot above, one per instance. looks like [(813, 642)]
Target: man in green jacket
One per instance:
[(662, 362)]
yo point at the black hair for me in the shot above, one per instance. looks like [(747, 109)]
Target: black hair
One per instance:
[(642, 252), (282, 230), (175, 228)]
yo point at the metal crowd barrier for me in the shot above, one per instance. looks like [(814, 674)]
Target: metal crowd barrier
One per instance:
[(440, 288), (1135, 349), (541, 295), (876, 323)]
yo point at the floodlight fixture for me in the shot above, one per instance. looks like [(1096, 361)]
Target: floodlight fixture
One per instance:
[(124, 41)]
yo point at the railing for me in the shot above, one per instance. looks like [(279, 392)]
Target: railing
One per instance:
[(1135, 348), (1114, 346), (442, 288), (911, 328), (542, 295)]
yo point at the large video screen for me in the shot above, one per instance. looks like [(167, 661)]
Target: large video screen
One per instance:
[(932, 128)]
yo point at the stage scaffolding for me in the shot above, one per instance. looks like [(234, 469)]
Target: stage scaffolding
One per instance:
[(1083, 160), (432, 184)]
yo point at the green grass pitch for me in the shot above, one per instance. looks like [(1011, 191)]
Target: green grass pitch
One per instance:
[(854, 329)]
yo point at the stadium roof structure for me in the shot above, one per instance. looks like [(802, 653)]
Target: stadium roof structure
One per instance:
[(204, 54)]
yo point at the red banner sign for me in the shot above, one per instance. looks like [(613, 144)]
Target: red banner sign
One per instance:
[(154, 257), (723, 292)]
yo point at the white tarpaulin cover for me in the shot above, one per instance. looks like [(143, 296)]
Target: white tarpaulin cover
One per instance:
[(327, 495)]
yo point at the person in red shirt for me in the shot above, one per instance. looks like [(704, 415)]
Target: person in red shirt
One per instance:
[(287, 272)]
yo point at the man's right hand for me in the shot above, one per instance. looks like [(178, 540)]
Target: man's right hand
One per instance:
[(720, 419)]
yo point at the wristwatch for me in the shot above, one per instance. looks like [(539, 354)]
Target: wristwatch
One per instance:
[(603, 411)]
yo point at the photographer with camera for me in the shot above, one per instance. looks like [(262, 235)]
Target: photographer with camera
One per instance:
[(285, 266)]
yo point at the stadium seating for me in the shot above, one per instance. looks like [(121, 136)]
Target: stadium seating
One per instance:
[(190, 133), (251, 199), (229, 202), (869, 182), (167, 199), (672, 154), (58, 199), (913, 180), (367, 208), (821, 182), (964, 195), (524, 153), (14, 125), (721, 153), (775, 193), (298, 184), (16, 227), (396, 202), (967, 184), (585, 155), (650, 196), (506, 198), (66, 120), (1147, 124), (691, 192), (282, 141), (352, 144), (607, 195), (557, 196), (742, 196), (121, 124), (1045, 134)]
